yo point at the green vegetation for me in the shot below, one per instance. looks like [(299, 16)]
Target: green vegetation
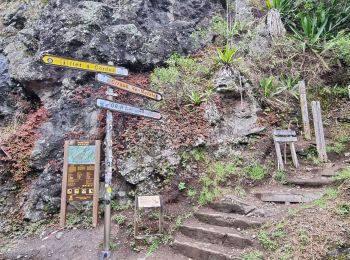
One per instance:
[(254, 255), (196, 98), (343, 209), (220, 27), (116, 207), (268, 87), (337, 148), (303, 237), (153, 246), (181, 186), (211, 181), (281, 177), (79, 220), (113, 246), (255, 172), (185, 81), (120, 219), (225, 57), (198, 154), (340, 45), (344, 175), (191, 193), (270, 240), (283, 6), (330, 194), (267, 241)]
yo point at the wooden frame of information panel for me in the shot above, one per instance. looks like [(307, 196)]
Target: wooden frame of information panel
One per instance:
[(96, 179)]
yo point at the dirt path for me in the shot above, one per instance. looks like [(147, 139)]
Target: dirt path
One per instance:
[(78, 244)]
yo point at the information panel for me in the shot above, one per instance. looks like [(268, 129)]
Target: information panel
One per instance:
[(81, 168), (81, 173)]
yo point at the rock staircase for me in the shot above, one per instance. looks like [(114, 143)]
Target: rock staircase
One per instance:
[(226, 228), (219, 232)]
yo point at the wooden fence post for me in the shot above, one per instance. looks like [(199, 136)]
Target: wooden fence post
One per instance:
[(304, 110), (319, 132)]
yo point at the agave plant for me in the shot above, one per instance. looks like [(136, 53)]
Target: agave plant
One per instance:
[(226, 56)]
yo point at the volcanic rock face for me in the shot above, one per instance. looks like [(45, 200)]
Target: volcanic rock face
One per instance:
[(137, 34)]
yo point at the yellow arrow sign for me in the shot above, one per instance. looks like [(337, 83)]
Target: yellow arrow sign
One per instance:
[(83, 65), (127, 87)]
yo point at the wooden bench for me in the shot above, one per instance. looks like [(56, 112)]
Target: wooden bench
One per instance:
[(286, 137)]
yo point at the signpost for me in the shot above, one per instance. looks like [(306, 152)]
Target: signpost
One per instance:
[(83, 65), (127, 87), (81, 158), (108, 178), (123, 108), (81, 171)]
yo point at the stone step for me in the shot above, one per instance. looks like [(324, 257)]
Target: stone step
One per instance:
[(203, 251), (314, 181), (289, 197), (224, 236), (232, 204), (212, 217)]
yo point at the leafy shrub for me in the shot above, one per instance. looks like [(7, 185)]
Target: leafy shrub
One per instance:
[(314, 20), (341, 46)]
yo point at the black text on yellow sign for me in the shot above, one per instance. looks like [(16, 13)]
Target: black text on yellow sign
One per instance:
[(83, 65)]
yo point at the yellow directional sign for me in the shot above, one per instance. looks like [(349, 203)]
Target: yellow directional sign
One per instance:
[(83, 65), (127, 87)]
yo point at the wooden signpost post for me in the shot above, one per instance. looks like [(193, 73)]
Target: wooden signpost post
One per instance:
[(110, 105), (81, 174), (304, 110), (319, 132)]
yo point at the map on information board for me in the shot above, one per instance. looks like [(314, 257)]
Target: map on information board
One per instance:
[(81, 154)]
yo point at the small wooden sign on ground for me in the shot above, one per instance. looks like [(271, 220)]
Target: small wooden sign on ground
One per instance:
[(148, 202), (81, 174)]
